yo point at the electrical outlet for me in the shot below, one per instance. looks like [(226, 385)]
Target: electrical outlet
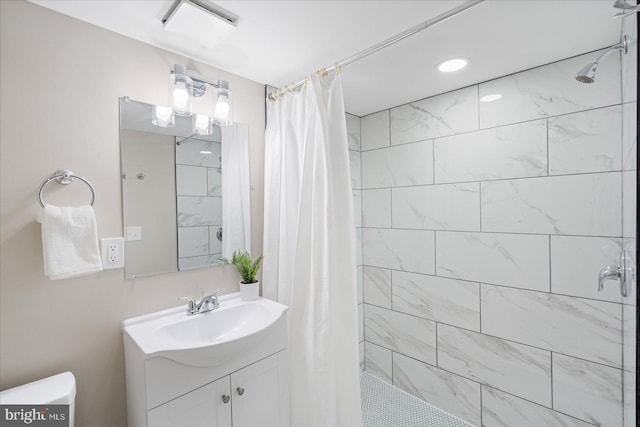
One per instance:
[(112, 251)]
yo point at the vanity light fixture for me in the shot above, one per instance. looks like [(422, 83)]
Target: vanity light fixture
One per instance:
[(452, 65), (181, 94), (491, 97), (202, 124), (163, 116), (186, 84)]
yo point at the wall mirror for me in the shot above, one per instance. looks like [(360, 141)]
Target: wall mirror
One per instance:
[(172, 192)]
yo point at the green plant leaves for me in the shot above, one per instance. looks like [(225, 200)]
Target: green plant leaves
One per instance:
[(246, 267)]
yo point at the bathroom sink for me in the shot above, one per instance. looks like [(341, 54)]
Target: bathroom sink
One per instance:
[(208, 339)]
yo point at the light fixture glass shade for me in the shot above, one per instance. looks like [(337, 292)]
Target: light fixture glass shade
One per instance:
[(223, 112), (163, 116), (181, 94), (202, 124)]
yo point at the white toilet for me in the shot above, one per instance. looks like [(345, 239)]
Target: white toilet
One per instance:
[(56, 390)]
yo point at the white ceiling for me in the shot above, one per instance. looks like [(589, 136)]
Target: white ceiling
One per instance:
[(279, 42)]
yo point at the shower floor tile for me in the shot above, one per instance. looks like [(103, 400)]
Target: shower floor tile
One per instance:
[(384, 405)]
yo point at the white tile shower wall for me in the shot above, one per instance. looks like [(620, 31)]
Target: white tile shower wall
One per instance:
[(550, 90), (441, 115), (505, 410), (514, 151), (515, 368), (587, 390), (484, 228), (585, 142)]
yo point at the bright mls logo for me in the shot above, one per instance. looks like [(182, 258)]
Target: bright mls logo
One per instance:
[(34, 415)]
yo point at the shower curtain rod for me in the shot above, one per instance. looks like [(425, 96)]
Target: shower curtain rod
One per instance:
[(398, 37)]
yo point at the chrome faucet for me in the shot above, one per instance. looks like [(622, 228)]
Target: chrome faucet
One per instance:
[(207, 303), (623, 272)]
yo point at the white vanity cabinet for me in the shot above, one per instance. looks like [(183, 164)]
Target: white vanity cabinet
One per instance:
[(260, 393), (201, 407), (254, 396), (226, 367)]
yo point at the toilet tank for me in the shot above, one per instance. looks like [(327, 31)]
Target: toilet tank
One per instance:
[(56, 390)]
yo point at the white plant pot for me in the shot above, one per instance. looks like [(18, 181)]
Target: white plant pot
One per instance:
[(249, 291)]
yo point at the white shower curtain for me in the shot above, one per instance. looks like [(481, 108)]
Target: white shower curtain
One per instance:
[(236, 206), (309, 250)]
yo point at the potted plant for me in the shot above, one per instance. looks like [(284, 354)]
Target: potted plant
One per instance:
[(248, 268)]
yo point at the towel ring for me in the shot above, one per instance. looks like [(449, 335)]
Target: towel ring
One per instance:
[(65, 177)]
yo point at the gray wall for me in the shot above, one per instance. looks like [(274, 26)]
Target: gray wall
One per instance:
[(484, 228)]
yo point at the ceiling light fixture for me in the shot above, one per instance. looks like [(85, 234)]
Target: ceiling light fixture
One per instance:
[(491, 97), (451, 65), (186, 84)]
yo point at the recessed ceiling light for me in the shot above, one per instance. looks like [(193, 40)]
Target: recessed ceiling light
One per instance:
[(491, 97), (205, 152), (452, 65)]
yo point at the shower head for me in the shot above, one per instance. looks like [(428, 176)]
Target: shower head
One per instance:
[(587, 74), (622, 4)]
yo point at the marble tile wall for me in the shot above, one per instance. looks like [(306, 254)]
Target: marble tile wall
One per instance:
[(484, 227), (199, 203)]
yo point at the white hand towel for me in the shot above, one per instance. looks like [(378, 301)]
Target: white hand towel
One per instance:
[(69, 241)]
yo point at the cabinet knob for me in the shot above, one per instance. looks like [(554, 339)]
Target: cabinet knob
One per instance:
[(240, 391), (226, 398)]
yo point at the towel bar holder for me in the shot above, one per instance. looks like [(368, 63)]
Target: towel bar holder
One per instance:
[(65, 177)]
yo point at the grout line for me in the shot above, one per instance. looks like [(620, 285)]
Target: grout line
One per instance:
[(391, 290), (517, 178), (481, 405), (435, 253), (548, 157), (515, 233), (550, 267), (480, 307), (389, 127), (551, 368), (478, 102), (433, 161), (480, 203), (392, 367)]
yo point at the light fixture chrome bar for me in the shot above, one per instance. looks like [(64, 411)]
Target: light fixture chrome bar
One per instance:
[(194, 75), (399, 37)]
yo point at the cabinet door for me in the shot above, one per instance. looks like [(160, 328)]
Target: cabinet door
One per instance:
[(261, 393), (204, 407)]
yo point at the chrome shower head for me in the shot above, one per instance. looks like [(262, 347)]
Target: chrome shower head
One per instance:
[(587, 74), (622, 4)]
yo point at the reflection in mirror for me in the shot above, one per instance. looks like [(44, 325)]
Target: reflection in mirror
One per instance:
[(172, 192), (199, 200)]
